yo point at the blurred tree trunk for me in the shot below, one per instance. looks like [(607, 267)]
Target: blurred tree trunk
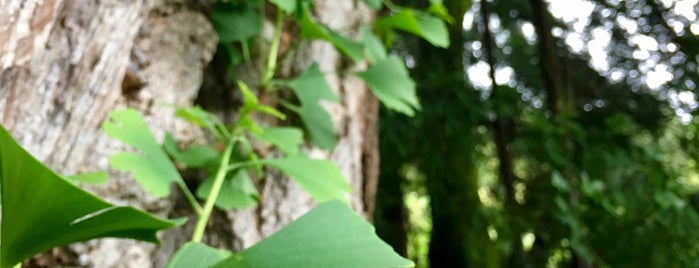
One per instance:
[(501, 127), (64, 65), (560, 100), (459, 229), (391, 216)]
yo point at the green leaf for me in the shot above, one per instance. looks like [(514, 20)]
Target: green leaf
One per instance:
[(271, 111), (251, 103), (289, 6), (151, 167), (390, 82), (198, 116), (348, 47), (438, 9), (41, 210), (667, 199), (235, 24), (287, 139), (374, 4), (91, 178), (322, 179), (330, 235), (194, 156), (309, 28), (195, 115), (427, 27), (374, 49), (311, 87), (231, 54), (249, 99), (237, 192), (194, 254), (559, 182)]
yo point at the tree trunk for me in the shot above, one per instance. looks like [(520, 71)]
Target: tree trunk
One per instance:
[(64, 65)]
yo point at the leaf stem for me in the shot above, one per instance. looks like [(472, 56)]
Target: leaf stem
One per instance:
[(274, 49), (290, 106), (235, 166), (190, 197), (213, 195), (246, 55)]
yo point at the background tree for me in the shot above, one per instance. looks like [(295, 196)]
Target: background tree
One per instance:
[(572, 127)]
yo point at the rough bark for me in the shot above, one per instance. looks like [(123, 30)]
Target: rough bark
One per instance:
[(64, 65)]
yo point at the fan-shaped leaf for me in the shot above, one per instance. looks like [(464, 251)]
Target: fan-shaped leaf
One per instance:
[(330, 235), (320, 178), (151, 167), (41, 210), (311, 87), (390, 82)]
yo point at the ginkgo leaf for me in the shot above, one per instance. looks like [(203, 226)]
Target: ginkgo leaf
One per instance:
[(237, 191), (193, 156), (310, 87), (151, 167), (195, 115), (91, 177), (438, 9), (41, 210), (330, 235), (235, 24), (289, 6), (311, 29), (197, 255), (322, 179), (251, 104), (427, 27), (391, 83), (375, 50), (374, 4), (287, 139)]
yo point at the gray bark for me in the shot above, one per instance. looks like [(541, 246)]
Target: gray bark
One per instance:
[(64, 65)]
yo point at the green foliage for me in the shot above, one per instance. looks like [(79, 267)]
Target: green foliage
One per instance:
[(196, 115), (311, 29), (427, 27), (237, 191), (374, 4), (151, 167), (332, 235), (320, 178), (289, 6), (41, 210), (234, 23), (438, 9), (195, 254), (91, 178), (390, 82), (287, 139), (311, 87), (374, 49), (604, 170), (197, 156)]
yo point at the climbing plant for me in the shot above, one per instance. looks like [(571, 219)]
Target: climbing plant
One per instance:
[(41, 209)]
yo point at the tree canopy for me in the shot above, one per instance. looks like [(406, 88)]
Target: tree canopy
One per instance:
[(553, 133)]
